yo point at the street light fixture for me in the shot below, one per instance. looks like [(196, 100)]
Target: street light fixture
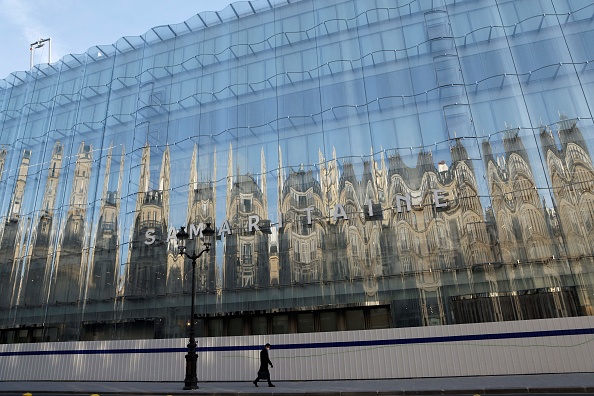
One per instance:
[(191, 380), (38, 44)]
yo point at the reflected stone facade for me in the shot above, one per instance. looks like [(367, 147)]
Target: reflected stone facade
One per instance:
[(356, 159)]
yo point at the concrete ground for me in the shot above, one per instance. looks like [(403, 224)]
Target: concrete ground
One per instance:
[(541, 383)]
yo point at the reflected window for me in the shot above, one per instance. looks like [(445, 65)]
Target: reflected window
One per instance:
[(305, 323), (328, 321), (247, 205), (304, 226), (355, 320), (8, 336), (247, 253), (302, 201), (259, 325), (280, 324), (51, 334), (23, 335), (215, 328), (37, 335), (379, 318), (235, 327)]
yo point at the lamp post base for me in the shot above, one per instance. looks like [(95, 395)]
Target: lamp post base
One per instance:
[(191, 380)]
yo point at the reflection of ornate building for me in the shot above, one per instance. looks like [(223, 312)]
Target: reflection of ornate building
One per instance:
[(333, 266), (104, 269), (390, 225), (524, 234), (352, 223), (572, 176), (147, 264), (302, 236), (71, 255), (8, 267), (35, 288), (246, 262), (361, 233), (201, 210), (274, 261), (517, 206), (437, 242)]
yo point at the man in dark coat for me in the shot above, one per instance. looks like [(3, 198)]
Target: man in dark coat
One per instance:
[(263, 373)]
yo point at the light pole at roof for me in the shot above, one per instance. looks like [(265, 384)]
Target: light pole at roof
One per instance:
[(38, 44)]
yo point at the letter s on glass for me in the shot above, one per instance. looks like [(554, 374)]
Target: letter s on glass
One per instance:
[(150, 236)]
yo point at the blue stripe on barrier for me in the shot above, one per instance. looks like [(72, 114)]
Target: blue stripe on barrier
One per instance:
[(317, 345)]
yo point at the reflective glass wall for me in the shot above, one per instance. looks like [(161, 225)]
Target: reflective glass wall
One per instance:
[(366, 164)]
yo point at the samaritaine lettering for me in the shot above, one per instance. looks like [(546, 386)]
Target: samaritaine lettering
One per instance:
[(339, 212)]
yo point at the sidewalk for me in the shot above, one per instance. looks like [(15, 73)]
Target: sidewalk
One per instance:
[(550, 383)]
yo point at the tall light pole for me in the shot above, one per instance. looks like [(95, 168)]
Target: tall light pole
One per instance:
[(38, 44), (191, 380)]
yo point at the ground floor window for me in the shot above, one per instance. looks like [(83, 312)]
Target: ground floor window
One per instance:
[(344, 319)]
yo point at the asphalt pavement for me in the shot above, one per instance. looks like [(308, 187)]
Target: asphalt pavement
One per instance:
[(538, 383)]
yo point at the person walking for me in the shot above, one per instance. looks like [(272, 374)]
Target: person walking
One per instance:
[(263, 373)]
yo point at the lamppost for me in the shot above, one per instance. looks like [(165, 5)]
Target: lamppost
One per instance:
[(191, 380), (38, 44)]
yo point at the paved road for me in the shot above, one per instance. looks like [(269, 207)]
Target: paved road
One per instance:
[(519, 384), (349, 394)]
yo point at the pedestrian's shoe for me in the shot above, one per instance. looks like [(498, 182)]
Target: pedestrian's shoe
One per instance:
[(256, 383), (270, 385)]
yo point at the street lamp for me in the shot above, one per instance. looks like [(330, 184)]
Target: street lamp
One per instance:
[(191, 380), (38, 44)]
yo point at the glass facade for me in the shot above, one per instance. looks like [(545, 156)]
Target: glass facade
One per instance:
[(367, 164)]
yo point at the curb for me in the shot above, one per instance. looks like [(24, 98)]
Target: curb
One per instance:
[(475, 392)]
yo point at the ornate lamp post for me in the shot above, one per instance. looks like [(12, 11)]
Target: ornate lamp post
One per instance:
[(191, 380)]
